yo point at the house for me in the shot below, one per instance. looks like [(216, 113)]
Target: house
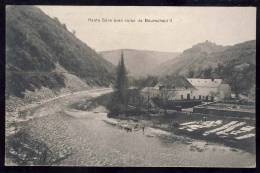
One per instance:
[(175, 88), (210, 89)]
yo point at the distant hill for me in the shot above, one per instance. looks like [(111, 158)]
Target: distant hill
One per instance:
[(41, 52), (194, 58), (139, 63), (208, 59)]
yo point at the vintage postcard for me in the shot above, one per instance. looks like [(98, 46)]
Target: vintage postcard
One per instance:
[(130, 86)]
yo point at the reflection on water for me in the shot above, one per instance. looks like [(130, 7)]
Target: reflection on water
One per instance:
[(100, 144)]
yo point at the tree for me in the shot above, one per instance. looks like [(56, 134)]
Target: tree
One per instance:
[(120, 95), (190, 73), (236, 81), (121, 85), (208, 73), (64, 26), (73, 32), (242, 77), (149, 81)]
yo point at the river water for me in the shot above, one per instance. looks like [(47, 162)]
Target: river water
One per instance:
[(101, 144)]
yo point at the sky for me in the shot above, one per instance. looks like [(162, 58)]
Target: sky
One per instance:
[(186, 26)]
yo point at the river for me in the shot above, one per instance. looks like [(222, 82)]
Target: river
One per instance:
[(93, 142)]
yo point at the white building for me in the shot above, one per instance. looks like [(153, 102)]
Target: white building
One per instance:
[(210, 89), (180, 88)]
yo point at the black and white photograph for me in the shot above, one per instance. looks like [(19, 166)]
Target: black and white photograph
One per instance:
[(130, 86)]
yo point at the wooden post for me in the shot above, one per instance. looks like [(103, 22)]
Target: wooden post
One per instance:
[(148, 100)]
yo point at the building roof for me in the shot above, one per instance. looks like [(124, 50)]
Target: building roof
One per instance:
[(175, 81), (148, 89), (211, 83)]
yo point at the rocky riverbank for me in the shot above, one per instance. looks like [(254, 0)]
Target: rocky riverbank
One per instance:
[(25, 145)]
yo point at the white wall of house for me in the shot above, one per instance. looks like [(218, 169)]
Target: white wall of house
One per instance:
[(203, 92), (219, 93), (180, 93)]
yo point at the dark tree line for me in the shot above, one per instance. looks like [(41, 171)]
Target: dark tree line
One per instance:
[(148, 81)]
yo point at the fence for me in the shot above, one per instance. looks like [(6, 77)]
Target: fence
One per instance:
[(222, 112), (172, 104)]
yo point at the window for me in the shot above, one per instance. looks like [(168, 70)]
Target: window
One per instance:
[(188, 96)]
